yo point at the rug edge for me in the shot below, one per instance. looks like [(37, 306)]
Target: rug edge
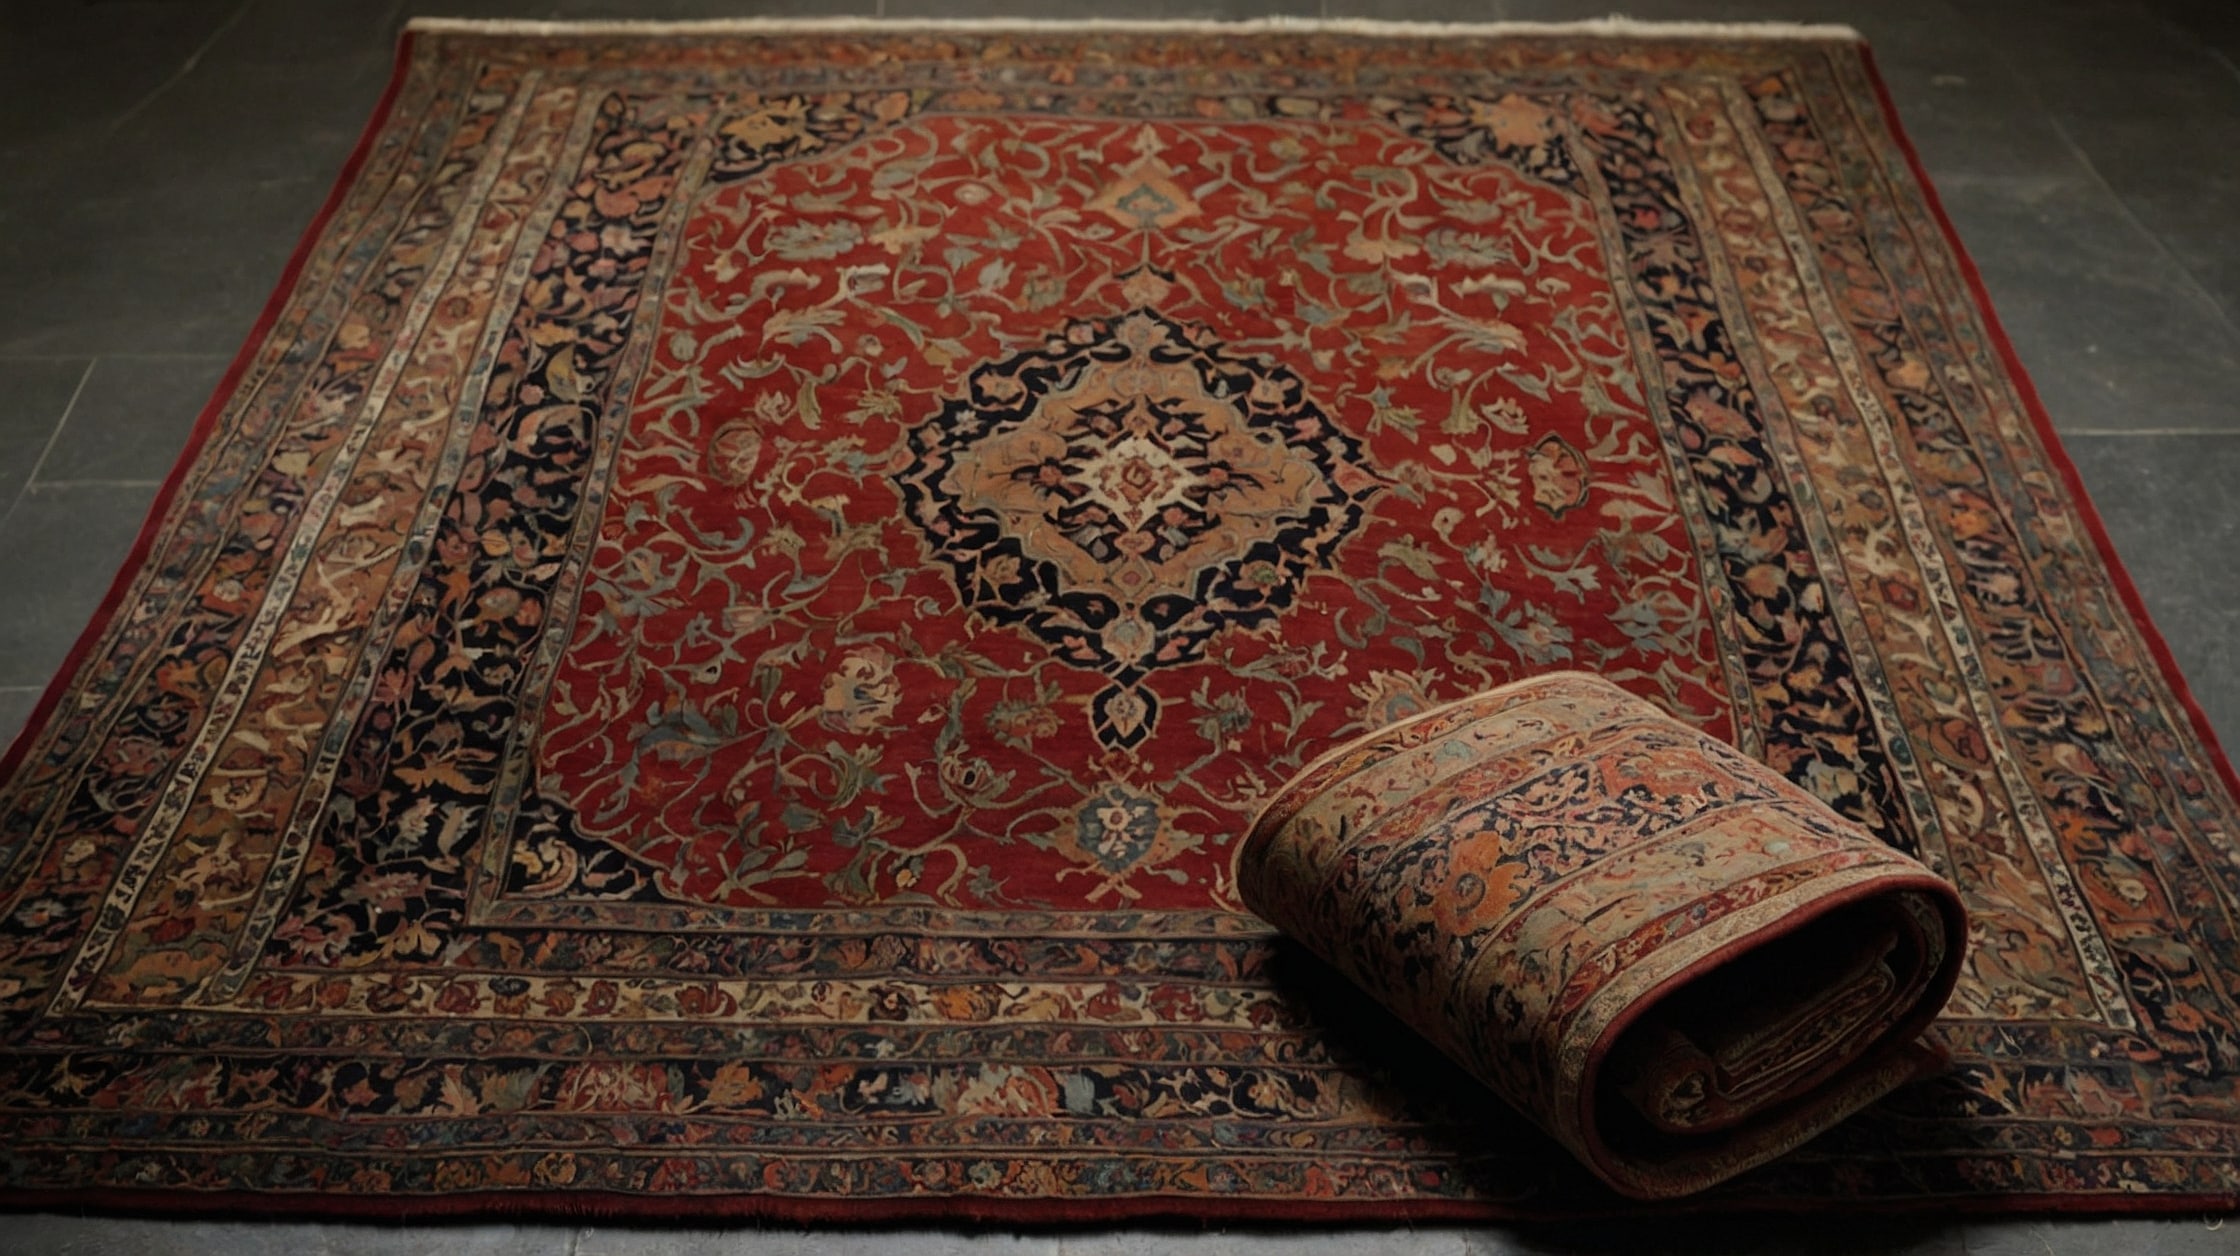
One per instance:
[(14, 750), (1614, 26), (2049, 437), (966, 1211)]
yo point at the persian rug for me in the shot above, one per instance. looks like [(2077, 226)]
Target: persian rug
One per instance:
[(714, 651), (1668, 955)]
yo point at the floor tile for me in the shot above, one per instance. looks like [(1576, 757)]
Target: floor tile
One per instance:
[(2089, 57), (1968, 113), (74, 67), (1272, 1241), (1728, 1236), (161, 227), (131, 419), (2216, 23), (750, 1241), (52, 1235), (59, 550), (2114, 333), (2149, 106), (2190, 204), (169, 239), (293, 34), (2168, 505), (2189, 1236), (34, 393), (15, 709)]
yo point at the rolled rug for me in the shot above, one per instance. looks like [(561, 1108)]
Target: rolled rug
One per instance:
[(1675, 961)]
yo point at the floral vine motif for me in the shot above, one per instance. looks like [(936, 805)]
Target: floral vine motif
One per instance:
[(1519, 131), (1126, 492), (765, 130)]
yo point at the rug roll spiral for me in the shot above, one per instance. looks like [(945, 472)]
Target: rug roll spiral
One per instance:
[(1671, 958)]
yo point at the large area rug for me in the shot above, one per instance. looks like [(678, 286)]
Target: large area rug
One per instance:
[(712, 653)]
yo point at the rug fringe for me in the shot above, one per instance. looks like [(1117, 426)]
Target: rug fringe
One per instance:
[(1614, 26)]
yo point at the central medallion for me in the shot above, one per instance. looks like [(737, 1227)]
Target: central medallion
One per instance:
[(1128, 491)]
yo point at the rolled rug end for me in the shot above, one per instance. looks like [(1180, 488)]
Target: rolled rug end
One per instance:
[(1674, 960)]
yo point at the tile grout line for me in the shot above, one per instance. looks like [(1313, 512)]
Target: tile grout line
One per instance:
[(129, 357), (2131, 216), (2178, 29), (92, 483), (186, 67), (54, 437), (2037, 98), (2223, 60)]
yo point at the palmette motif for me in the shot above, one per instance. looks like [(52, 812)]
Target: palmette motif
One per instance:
[(1544, 879), (718, 646)]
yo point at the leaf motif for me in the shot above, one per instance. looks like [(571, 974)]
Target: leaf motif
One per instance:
[(457, 1099), (806, 408), (1370, 249), (1493, 333), (894, 174), (560, 377), (798, 327), (1414, 557), (770, 282), (815, 241), (902, 236), (439, 772)]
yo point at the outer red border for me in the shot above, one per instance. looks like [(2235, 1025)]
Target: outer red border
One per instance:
[(1175, 1211), (1196, 1210)]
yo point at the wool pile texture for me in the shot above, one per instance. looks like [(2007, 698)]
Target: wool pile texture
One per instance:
[(1676, 962), (714, 653)]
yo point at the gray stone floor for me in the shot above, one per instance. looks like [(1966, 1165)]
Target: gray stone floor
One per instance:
[(161, 156)]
